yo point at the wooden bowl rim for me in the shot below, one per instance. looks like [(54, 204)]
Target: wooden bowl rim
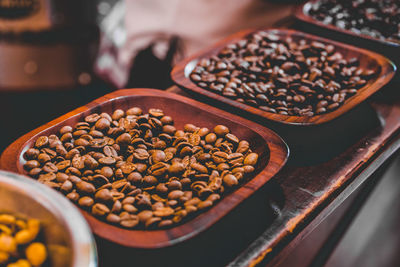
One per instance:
[(386, 74), (152, 239)]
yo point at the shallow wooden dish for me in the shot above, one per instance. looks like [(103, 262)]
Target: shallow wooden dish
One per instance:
[(302, 14), (180, 75), (388, 48), (272, 150)]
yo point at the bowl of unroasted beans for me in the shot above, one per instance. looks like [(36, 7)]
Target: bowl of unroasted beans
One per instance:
[(38, 227), (140, 163), (284, 75)]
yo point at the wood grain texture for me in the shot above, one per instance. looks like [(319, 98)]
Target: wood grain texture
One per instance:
[(302, 14), (272, 150), (370, 60)]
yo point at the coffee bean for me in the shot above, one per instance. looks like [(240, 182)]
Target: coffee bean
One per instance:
[(163, 212), (230, 180), (85, 187), (86, 202), (102, 124), (65, 129), (129, 221), (31, 153), (204, 204), (174, 185), (219, 157), (145, 215), (67, 186), (251, 159), (221, 130), (175, 194), (158, 156), (42, 141), (30, 164), (100, 210), (113, 218), (104, 196), (73, 196), (107, 161)]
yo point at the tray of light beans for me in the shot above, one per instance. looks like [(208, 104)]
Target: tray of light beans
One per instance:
[(142, 168)]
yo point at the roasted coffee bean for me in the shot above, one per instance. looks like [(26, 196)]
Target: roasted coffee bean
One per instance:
[(129, 221), (31, 153), (100, 210), (221, 130), (85, 187), (219, 157), (289, 79), (251, 159), (73, 196), (158, 156), (30, 164), (67, 186), (204, 204), (163, 212), (107, 161), (102, 124), (104, 196), (86, 202), (42, 141), (134, 163), (144, 216), (230, 180), (43, 158)]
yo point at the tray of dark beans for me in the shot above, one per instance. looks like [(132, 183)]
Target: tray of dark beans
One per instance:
[(284, 75), (373, 24), (375, 19), (141, 162)]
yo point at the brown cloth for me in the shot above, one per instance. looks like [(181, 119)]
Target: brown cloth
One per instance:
[(173, 29)]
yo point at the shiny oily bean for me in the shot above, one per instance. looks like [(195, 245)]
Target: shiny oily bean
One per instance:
[(251, 159)]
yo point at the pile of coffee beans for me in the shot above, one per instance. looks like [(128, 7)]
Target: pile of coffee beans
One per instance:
[(280, 75), (377, 18), (137, 170), (19, 242)]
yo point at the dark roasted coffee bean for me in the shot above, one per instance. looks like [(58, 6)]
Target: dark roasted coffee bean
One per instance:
[(251, 159), (221, 130), (85, 202), (129, 220), (31, 153)]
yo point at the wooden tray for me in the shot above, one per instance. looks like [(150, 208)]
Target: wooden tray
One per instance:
[(390, 49), (272, 150), (302, 14), (180, 75)]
